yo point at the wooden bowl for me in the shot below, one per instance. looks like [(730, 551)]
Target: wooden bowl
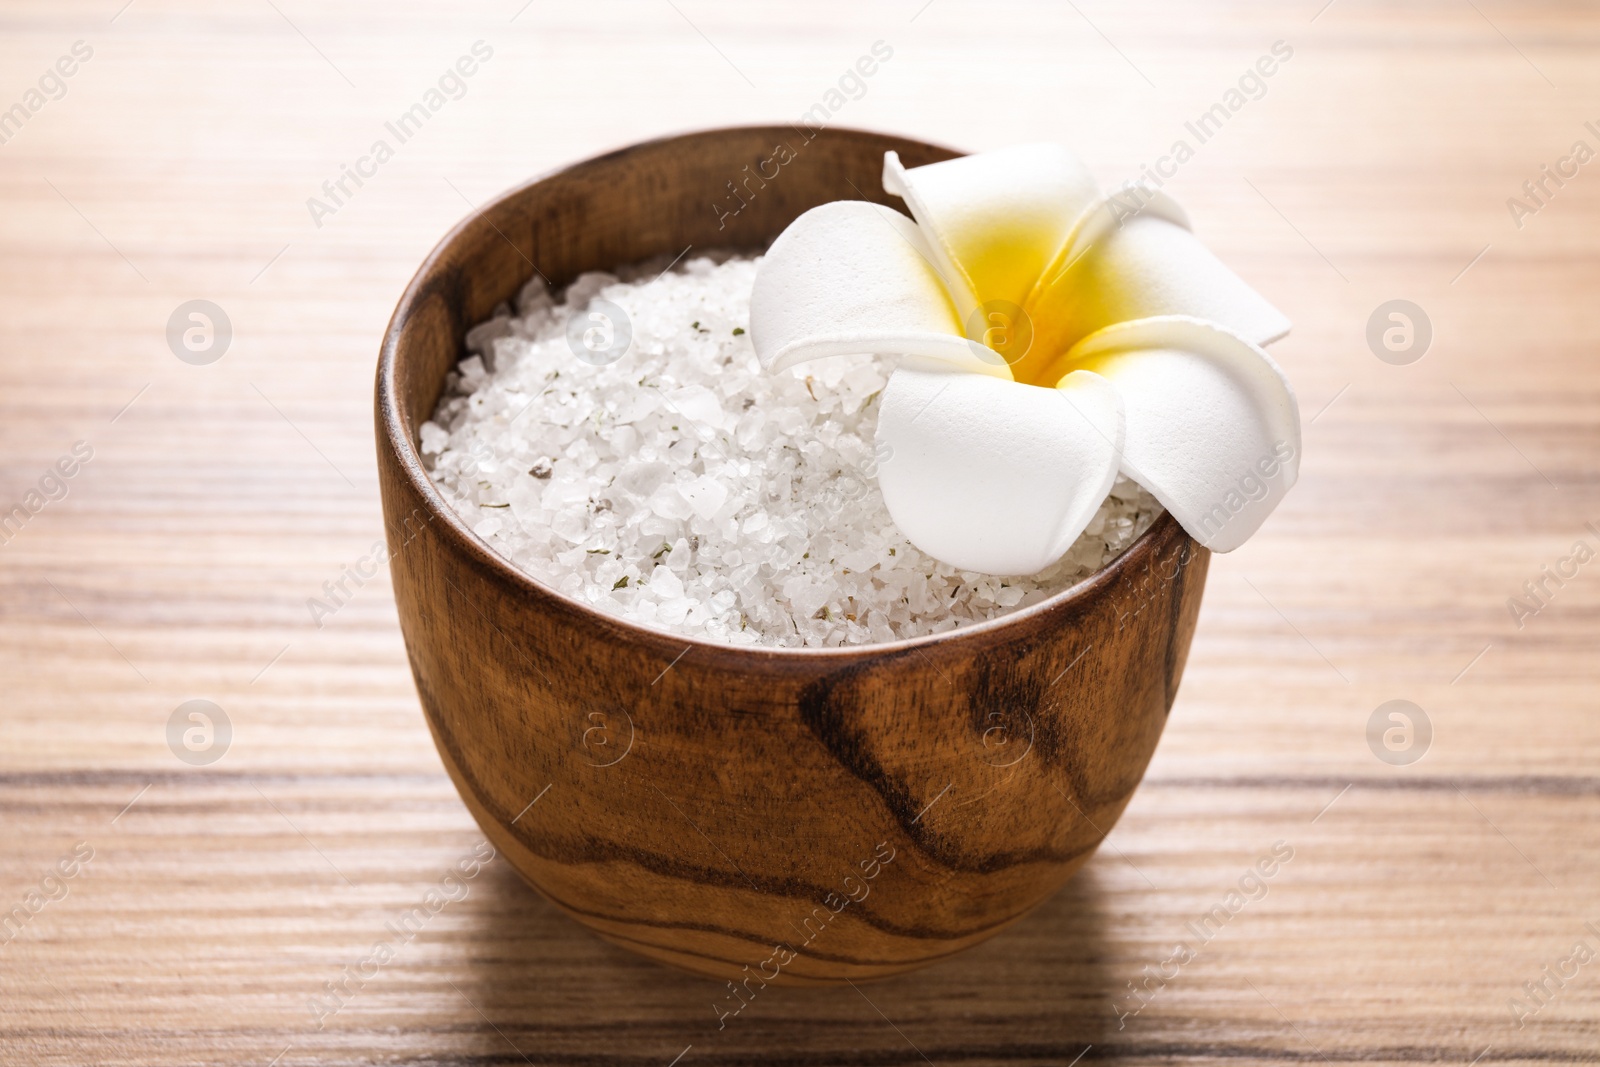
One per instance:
[(759, 815)]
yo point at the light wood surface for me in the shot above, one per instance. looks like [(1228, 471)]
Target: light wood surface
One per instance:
[(221, 899)]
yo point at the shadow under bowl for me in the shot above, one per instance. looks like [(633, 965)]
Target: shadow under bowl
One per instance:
[(754, 814)]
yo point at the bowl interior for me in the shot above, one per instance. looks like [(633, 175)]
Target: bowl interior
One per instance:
[(733, 189)]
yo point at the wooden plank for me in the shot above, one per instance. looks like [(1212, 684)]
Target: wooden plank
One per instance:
[(222, 900)]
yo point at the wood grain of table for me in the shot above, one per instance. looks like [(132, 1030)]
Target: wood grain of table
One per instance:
[(222, 901)]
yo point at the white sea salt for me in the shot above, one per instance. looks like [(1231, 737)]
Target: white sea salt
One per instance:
[(684, 488)]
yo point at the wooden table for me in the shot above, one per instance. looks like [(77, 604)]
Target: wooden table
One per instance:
[(222, 900)]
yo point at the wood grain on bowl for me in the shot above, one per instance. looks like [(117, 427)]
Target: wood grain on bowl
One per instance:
[(766, 816)]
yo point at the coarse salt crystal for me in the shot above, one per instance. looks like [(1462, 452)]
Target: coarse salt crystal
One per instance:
[(705, 495), (683, 488)]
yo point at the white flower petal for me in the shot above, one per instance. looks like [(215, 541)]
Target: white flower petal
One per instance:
[(851, 278), (995, 219), (1213, 428), (996, 476), (1121, 266)]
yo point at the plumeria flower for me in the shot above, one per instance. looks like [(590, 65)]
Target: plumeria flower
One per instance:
[(1049, 335)]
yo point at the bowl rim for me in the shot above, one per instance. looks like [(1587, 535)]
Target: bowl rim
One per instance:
[(463, 539)]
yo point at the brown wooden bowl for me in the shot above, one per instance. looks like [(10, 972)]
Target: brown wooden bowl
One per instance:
[(757, 815)]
